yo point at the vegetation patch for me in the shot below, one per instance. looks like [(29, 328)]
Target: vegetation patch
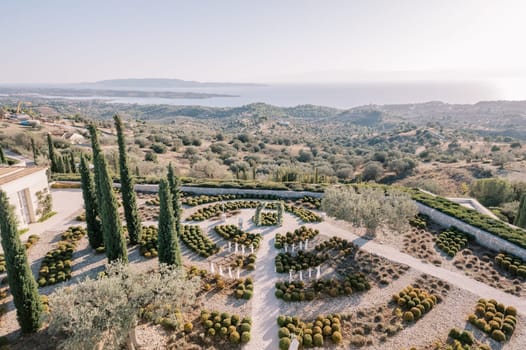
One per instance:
[(235, 234), (56, 265), (216, 210), (299, 235), (244, 288), (225, 327), (514, 265), (496, 319), (148, 243), (310, 333), (452, 240), (414, 303), (193, 237), (472, 217)]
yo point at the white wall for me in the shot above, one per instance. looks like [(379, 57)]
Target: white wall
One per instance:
[(35, 182)]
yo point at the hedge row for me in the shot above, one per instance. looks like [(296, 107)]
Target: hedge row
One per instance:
[(472, 217)]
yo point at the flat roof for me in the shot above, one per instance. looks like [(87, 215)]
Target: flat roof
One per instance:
[(8, 174)]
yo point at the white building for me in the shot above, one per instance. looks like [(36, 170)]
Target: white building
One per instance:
[(28, 191)]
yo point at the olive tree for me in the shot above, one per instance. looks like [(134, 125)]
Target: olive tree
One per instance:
[(370, 207), (102, 313)]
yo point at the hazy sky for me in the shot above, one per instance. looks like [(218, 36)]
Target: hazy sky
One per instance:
[(261, 40)]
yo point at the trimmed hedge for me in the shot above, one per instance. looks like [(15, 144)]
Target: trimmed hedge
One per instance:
[(234, 234), (299, 235), (193, 237), (472, 217)]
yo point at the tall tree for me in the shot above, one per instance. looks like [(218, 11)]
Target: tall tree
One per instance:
[(59, 164), (22, 284), (72, 164), (90, 204), (173, 182), (65, 163), (34, 150), (52, 154), (169, 252), (129, 200), (114, 241), (520, 220), (3, 160)]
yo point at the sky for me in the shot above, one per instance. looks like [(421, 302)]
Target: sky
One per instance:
[(61, 41)]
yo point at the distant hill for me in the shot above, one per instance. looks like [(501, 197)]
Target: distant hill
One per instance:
[(153, 83)]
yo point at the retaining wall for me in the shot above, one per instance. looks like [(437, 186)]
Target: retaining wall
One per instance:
[(482, 237)]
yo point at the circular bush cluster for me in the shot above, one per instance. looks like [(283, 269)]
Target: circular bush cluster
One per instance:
[(309, 202), (415, 302), (267, 219), (193, 200), (226, 326), (193, 237), (451, 241), (299, 235), (244, 289), (234, 234), (512, 264), (419, 221), (217, 209), (248, 262), (495, 319), (309, 333), (148, 243), (304, 214), (56, 265)]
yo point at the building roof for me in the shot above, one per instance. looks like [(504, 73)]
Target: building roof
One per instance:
[(8, 174)]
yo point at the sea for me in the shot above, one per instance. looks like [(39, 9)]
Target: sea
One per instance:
[(332, 95)]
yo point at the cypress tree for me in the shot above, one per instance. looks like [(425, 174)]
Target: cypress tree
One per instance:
[(22, 284), (520, 219), (65, 163), (2, 156), (52, 155), (173, 182), (72, 165), (34, 149), (59, 164), (129, 200), (114, 242), (90, 204), (167, 238)]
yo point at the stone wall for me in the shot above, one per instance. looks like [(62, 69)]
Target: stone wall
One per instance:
[(482, 237)]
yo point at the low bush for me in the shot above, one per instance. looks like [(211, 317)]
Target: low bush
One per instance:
[(148, 243), (414, 302), (244, 289), (217, 209), (310, 332)]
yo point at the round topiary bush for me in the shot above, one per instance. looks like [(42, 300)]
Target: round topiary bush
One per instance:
[(307, 340), (284, 343), (245, 327), (317, 340), (283, 332), (408, 316), (245, 337), (498, 335), (234, 337), (337, 337), (282, 321), (188, 326)]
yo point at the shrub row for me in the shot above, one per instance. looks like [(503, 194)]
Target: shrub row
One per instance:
[(452, 240), (305, 259), (495, 319), (234, 234), (309, 333), (56, 265), (193, 237), (414, 302), (512, 264), (472, 217), (227, 327), (148, 243), (267, 218), (299, 235), (299, 291), (217, 209)]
